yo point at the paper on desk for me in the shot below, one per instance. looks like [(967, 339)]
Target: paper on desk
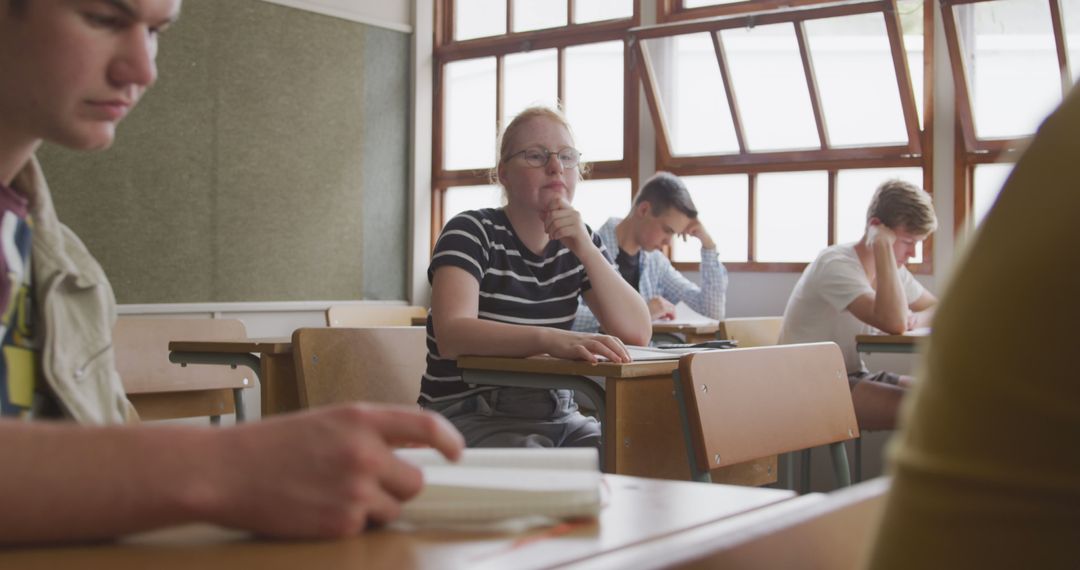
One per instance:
[(684, 315)]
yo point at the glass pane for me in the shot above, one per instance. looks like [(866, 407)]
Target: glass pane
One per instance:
[(594, 99), (775, 106), (723, 206), (791, 216), (692, 95), (529, 79), (1012, 65), (469, 114), (1070, 10), (911, 25), (598, 200), (988, 180), (854, 188), (457, 199), (596, 10), (856, 80), (538, 14), (479, 18)]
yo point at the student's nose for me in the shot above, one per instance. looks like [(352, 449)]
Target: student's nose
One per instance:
[(135, 64), (554, 165)]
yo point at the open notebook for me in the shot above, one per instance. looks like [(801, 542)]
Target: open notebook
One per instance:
[(506, 489)]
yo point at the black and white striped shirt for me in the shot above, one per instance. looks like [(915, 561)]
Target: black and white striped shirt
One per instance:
[(516, 286)]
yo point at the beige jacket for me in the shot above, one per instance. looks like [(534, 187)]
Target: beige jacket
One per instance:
[(76, 311)]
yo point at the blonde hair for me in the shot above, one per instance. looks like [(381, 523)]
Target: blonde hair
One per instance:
[(511, 131), (903, 205)]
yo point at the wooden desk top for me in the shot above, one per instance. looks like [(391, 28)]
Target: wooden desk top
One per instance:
[(638, 511), (662, 327), (279, 345), (889, 338), (551, 365)]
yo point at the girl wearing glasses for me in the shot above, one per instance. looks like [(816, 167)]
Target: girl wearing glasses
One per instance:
[(506, 281)]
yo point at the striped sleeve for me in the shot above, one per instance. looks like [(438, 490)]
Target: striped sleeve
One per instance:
[(463, 243)]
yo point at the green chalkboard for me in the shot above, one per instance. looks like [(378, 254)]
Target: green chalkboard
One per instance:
[(268, 163)]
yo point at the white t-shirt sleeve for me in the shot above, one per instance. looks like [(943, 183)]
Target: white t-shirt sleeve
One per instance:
[(912, 288), (840, 281)]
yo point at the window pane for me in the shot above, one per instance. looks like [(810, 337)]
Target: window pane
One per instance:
[(692, 95), (479, 18), (775, 106), (457, 199), (469, 114), (791, 216), (1012, 65), (988, 180), (856, 80), (854, 188), (596, 10), (594, 99), (538, 14), (1070, 10), (598, 200), (911, 25), (529, 79), (723, 204)]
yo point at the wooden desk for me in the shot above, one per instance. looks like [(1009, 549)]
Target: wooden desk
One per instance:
[(894, 343), (271, 359), (642, 433), (692, 333), (638, 511)]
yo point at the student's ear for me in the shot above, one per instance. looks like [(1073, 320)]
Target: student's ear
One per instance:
[(499, 175), (874, 221), (643, 209)]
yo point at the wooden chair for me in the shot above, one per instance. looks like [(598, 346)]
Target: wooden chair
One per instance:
[(751, 331), (374, 315), (161, 390), (379, 364), (745, 403)]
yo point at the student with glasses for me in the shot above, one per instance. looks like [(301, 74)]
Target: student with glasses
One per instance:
[(506, 282)]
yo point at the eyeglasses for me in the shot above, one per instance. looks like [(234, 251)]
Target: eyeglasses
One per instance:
[(539, 157)]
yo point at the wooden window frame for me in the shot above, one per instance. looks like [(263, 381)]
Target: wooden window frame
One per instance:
[(448, 50), (916, 153), (970, 150)]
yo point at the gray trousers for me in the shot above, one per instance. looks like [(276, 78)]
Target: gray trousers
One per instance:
[(520, 417)]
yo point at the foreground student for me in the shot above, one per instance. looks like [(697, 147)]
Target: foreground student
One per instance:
[(505, 282), (985, 470), (662, 210), (854, 288), (69, 71)]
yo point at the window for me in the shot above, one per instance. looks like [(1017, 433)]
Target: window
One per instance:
[(1012, 61), (494, 58)]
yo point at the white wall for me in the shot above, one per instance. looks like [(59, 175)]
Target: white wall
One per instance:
[(392, 14)]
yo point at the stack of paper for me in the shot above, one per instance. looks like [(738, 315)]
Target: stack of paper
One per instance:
[(503, 488), (684, 315)]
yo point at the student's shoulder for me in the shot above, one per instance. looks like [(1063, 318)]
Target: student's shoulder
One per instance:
[(481, 221), (839, 257)]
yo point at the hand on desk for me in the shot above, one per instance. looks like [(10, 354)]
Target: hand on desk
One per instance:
[(323, 473), (661, 309), (584, 346)]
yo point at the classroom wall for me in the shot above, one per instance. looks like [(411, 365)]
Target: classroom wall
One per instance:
[(269, 163)]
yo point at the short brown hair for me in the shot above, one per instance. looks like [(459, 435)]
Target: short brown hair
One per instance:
[(665, 190), (900, 204), (511, 130)]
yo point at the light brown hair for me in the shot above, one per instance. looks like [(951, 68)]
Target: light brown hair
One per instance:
[(903, 205)]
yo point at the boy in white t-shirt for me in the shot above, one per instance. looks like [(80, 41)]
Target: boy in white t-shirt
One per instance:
[(855, 288)]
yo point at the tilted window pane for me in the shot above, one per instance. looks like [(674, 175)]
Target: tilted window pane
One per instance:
[(457, 199), (856, 79), (538, 14), (598, 200), (597, 10), (723, 204), (529, 79), (988, 180), (911, 24), (479, 18), (855, 188), (1012, 65), (775, 106), (791, 216), (594, 99), (692, 95), (469, 114)]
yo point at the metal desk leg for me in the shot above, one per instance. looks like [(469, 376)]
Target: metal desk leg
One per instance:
[(222, 359)]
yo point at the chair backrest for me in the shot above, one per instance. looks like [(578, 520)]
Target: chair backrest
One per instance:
[(160, 389), (374, 315), (834, 533), (751, 331), (378, 364), (746, 403)]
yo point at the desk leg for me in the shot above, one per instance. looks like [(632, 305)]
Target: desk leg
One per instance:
[(279, 390)]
